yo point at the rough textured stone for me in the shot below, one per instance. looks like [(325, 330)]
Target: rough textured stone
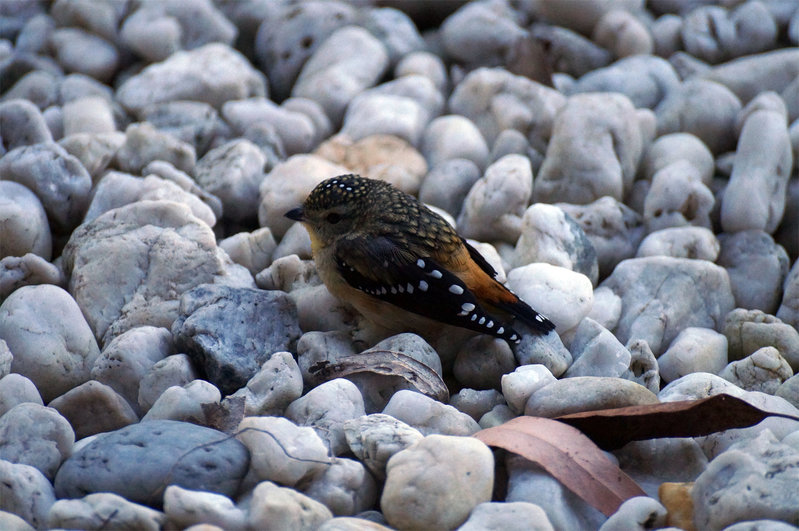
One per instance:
[(31, 434), (230, 332), (104, 509)]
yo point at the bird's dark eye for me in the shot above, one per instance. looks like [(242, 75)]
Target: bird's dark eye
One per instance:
[(333, 218)]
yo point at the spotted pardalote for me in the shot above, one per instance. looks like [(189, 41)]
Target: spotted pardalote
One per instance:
[(402, 265)]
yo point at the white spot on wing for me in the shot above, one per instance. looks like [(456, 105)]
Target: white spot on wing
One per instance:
[(435, 273), (500, 330), (423, 285), (409, 288), (420, 263), (490, 324), (482, 320), (467, 306), (457, 290)]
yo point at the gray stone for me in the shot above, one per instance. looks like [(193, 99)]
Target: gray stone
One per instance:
[(49, 337), (187, 403), (158, 247), (644, 79), (545, 350), (637, 513), (39, 87), (449, 476), (681, 242), (27, 270), (446, 184), (613, 228), (703, 108), (174, 370), (325, 408), (335, 74), (273, 508), (481, 33), (233, 172), (93, 408), (94, 151), (596, 352), (644, 367), (527, 482), (345, 487), (92, 114), (165, 170), (494, 206), (23, 222), (519, 385), (277, 384), (550, 235), (213, 73), (583, 174), (79, 51), (425, 64), (574, 54), (12, 522), (297, 131), (623, 33), (25, 492), (21, 124), (749, 76), (693, 350), (104, 509), (750, 330), (713, 34), (662, 295), (211, 328), (476, 403), (586, 393), (57, 178), (757, 268), (755, 195), (763, 370), (481, 362), (672, 147), (395, 29), (34, 435), (193, 122), (139, 461), (494, 99), (752, 480), (508, 516), (269, 439), (375, 438), (384, 114), (16, 389), (453, 137), (789, 390), (288, 35), (187, 508), (789, 309), (428, 415), (145, 144)]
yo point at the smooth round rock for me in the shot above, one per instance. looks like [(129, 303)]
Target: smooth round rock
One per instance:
[(428, 415), (82, 52), (93, 408), (644, 79), (519, 385), (186, 508), (273, 508), (345, 487), (764, 370), (586, 393), (681, 242), (174, 370), (23, 222), (375, 438), (104, 509), (437, 482), (693, 350), (25, 491), (139, 461), (453, 137), (676, 146), (22, 123), (16, 389), (51, 341)]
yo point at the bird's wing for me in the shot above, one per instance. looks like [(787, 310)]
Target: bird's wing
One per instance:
[(419, 284)]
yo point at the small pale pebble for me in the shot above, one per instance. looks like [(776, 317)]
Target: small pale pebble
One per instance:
[(623, 34), (644, 367), (547, 350), (16, 389), (447, 183), (375, 438), (145, 144), (346, 487), (95, 151), (325, 408), (693, 350), (676, 146), (574, 54), (677, 198), (104, 509), (425, 64), (91, 114), (174, 370), (23, 222), (757, 267), (37, 436), (23, 124), (277, 384), (273, 508), (79, 51), (480, 33), (187, 403), (681, 242), (508, 516), (606, 309), (586, 393), (637, 513), (186, 507), (476, 403), (500, 414), (267, 439), (26, 493), (431, 468), (453, 137), (750, 330), (518, 385), (428, 415), (763, 370), (597, 352), (789, 309), (385, 114), (253, 250), (296, 130)]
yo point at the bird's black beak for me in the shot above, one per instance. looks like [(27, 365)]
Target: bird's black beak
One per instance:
[(296, 214)]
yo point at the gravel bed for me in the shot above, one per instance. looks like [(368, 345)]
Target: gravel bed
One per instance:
[(628, 167)]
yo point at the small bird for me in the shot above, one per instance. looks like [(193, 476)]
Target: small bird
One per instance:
[(402, 265)]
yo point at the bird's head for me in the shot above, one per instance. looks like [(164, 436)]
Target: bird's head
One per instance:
[(340, 206)]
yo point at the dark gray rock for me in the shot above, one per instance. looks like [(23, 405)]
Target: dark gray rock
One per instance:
[(231, 332), (21, 124), (139, 461)]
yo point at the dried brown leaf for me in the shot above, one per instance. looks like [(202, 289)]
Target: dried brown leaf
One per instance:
[(613, 428), (226, 415), (387, 363), (569, 456)]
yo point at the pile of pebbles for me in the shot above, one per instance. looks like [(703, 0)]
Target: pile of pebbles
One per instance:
[(644, 196)]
